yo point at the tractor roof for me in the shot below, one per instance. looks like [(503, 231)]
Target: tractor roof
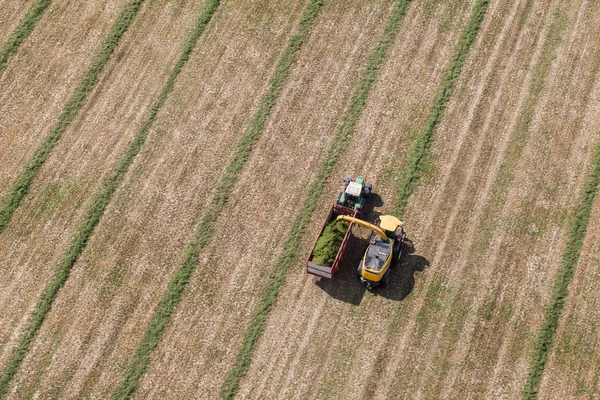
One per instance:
[(354, 189)]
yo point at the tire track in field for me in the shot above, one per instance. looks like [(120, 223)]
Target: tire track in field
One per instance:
[(491, 177), (475, 102), (522, 295), (464, 345), (478, 148), (22, 31), (503, 235), (69, 113), (471, 307)]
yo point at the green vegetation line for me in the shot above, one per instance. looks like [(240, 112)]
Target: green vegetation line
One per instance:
[(278, 271), (561, 287), (9, 204), (73, 106), (205, 229), (22, 31), (418, 159)]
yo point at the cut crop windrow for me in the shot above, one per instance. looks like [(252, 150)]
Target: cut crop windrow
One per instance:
[(417, 163), (278, 271), (69, 113), (11, 202), (223, 189), (22, 31), (560, 291)]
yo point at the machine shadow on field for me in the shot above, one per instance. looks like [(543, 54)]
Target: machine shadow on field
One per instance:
[(402, 279), (346, 285)]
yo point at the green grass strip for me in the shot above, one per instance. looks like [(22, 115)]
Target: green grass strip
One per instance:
[(22, 31), (12, 200), (278, 271), (561, 286), (73, 106), (205, 229), (418, 161)]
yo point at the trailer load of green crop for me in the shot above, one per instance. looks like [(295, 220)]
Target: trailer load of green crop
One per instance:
[(329, 242)]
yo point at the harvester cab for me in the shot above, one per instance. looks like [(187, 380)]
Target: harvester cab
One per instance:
[(385, 247), (355, 194)]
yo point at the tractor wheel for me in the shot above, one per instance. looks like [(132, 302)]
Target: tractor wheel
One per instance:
[(359, 270), (386, 277)]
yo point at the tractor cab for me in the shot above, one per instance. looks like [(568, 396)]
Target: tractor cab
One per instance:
[(355, 194)]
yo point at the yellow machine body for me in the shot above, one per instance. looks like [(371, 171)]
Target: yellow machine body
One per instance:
[(379, 254)]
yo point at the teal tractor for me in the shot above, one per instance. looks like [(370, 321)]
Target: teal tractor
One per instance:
[(355, 194)]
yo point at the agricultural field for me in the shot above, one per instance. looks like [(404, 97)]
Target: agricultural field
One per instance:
[(166, 165)]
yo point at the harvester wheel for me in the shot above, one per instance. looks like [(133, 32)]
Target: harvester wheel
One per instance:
[(386, 277)]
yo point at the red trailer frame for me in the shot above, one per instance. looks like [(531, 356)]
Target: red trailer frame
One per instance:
[(327, 271)]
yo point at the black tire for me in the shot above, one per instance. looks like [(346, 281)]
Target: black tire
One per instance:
[(359, 270), (386, 277)]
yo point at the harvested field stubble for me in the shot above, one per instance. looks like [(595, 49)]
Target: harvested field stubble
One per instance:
[(19, 23), (313, 355), (560, 291), (11, 14), (498, 228), (73, 164), (345, 131), (222, 191), (14, 196), (38, 80), (13, 199), (577, 340), (99, 317)]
